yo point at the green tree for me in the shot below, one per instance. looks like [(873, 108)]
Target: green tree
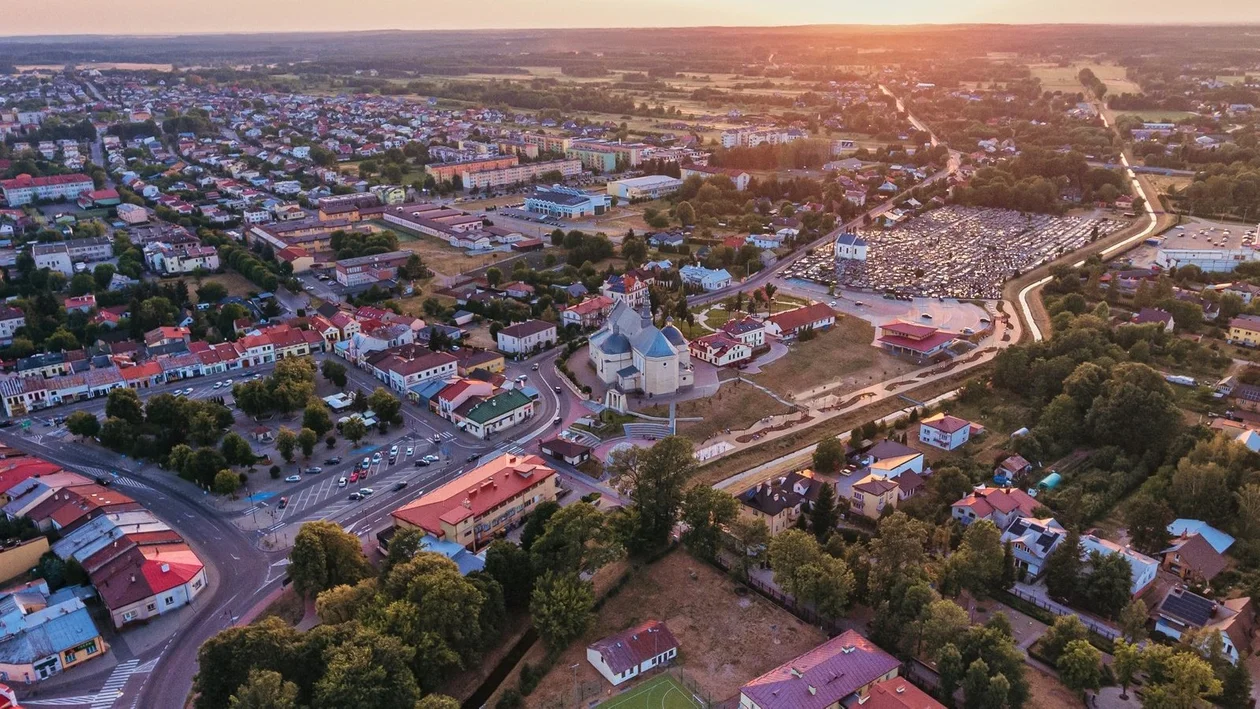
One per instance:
[(1133, 619), (1148, 519), (943, 621), (897, 553), (1126, 664), (822, 515), (1190, 680), (226, 660), (124, 404), (385, 405), (334, 372), (226, 482), (324, 555), (203, 466), (369, 670), (750, 539), (1064, 630), (976, 684), (656, 478), (494, 276), (829, 455), (977, 564), (1080, 667), (575, 539), (705, 512), (1063, 569), (354, 430), (307, 440), (510, 565), (236, 450), (562, 607), (1108, 583), (685, 213), (536, 522), (265, 689), (254, 398), (949, 668), (317, 418), (286, 442), (344, 603), (437, 701), (1235, 687), (405, 544), (83, 424)]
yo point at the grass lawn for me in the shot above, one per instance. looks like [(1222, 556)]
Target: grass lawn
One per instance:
[(235, 283), (439, 256), (844, 351), (662, 692), (1158, 115), (1064, 78), (735, 406), (723, 634)]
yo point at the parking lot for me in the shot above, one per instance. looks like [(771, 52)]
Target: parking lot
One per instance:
[(946, 313), (954, 252)]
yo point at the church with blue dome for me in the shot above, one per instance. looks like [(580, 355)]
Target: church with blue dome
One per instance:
[(631, 354)]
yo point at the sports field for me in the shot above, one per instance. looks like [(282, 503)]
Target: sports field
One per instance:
[(663, 692)]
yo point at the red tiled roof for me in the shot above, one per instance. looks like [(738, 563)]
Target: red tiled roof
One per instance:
[(898, 693), (823, 676), (475, 492), (918, 344), (908, 330), (800, 317), (634, 646)]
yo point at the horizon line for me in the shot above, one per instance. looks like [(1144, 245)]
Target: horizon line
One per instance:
[(575, 28)]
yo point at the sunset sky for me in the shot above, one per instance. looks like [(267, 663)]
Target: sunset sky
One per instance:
[(23, 17)]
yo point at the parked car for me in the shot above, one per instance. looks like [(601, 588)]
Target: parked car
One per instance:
[(354, 477), (393, 452), (293, 479), (410, 450), (400, 485), (432, 458), (423, 463), (366, 462), (376, 457), (354, 497), (314, 469), (332, 461), (365, 491), (342, 481)]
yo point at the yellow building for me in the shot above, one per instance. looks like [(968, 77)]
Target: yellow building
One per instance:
[(480, 505), (20, 557), (1244, 330), (872, 494), (781, 501)]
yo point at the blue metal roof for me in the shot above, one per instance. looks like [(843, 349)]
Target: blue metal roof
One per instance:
[(1219, 540)]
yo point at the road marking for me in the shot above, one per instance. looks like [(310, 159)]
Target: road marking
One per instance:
[(112, 691)]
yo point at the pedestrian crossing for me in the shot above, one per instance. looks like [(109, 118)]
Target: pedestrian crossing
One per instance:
[(114, 478), (112, 690)]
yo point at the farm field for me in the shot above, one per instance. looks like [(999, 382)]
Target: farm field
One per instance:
[(1063, 78)]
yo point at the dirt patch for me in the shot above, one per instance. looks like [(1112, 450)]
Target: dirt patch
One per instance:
[(1048, 692), (726, 638), (842, 353), (804, 420), (288, 607), (235, 283)]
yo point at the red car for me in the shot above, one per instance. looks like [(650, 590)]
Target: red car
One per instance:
[(354, 477)]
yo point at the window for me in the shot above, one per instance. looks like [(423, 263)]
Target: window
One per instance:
[(151, 607), (170, 600), (129, 616)]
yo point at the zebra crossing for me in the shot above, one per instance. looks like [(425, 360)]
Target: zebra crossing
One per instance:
[(112, 690), (114, 478)]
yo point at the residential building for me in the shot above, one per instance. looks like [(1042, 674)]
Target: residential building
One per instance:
[(53, 256), (892, 459), (143, 582), (526, 337), (1031, 541), (132, 214), (634, 189), (1219, 540), (1193, 559), (1148, 316), (780, 501), (944, 431), (1244, 330), (840, 671), (999, 505), (872, 494), (483, 417), (898, 693), (738, 177), (362, 270), (566, 202), (590, 313), (1182, 611), (43, 634), (627, 287), (631, 354), (475, 508), (25, 189), (169, 260), (519, 174), (707, 278), (447, 171), (719, 349), (11, 320), (816, 316), (748, 330), (1143, 567), (571, 452), (404, 367), (633, 651)]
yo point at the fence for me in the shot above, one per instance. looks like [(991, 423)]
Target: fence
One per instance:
[(1102, 629)]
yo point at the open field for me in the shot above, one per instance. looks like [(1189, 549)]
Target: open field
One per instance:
[(235, 283), (843, 351), (1159, 115), (724, 636), (1063, 78), (735, 406), (663, 692), (439, 256), (1162, 183)]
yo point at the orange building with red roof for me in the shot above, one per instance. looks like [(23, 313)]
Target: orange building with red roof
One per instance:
[(474, 508)]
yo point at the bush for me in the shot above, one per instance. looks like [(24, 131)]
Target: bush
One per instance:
[(511, 699), (331, 442), (275, 472), (530, 677)]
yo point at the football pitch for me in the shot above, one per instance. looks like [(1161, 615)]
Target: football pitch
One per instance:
[(663, 692)]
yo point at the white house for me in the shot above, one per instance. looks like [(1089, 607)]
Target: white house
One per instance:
[(944, 431), (719, 349), (10, 320), (706, 278), (633, 651), (1032, 540), (528, 336), (851, 246)]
